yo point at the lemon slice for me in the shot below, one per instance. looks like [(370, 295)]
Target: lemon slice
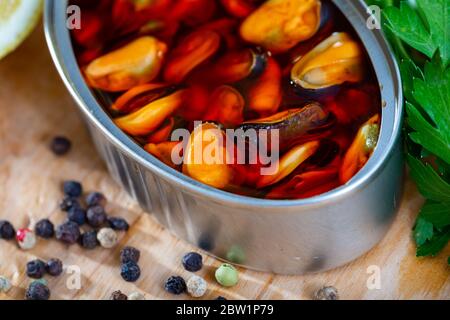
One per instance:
[(17, 19)]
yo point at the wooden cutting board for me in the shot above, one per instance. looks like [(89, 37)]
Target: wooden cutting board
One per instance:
[(35, 106)]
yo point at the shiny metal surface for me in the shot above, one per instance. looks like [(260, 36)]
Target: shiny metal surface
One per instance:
[(286, 237)]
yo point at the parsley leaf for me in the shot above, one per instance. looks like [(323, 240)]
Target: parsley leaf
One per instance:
[(406, 24), (423, 231), (437, 214), (425, 36), (430, 184), (433, 94), (437, 13), (435, 245)]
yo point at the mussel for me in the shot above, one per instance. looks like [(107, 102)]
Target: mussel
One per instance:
[(140, 96), (279, 25), (294, 125), (166, 151), (196, 48), (336, 60), (206, 157), (234, 66), (226, 107), (361, 149), (288, 163), (225, 27), (239, 8), (307, 184), (137, 63), (266, 94), (151, 116), (163, 133), (195, 107)]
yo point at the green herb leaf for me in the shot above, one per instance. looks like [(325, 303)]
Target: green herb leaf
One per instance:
[(423, 231), (437, 214), (430, 184), (409, 72), (437, 13), (435, 245), (406, 24), (433, 94)]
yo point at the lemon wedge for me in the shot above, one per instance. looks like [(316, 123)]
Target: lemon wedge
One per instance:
[(17, 19)]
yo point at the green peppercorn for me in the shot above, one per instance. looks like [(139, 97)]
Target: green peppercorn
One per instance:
[(227, 275)]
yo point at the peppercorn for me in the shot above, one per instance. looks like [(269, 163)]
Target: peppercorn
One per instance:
[(68, 232), (130, 271), (136, 296), (118, 224), (69, 202), (95, 199), (327, 293), (5, 284), (44, 229), (96, 216), (77, 215), (130, 254), (37, 291), (220, 298), (54, 267), (42, 280), (107, 238), (227, 275), (175, 285), (60, 145), (192, 262), (36, 269), (118, 295), (196, 286), (26, 239), (7, 230), (73, 189), (89, 239)]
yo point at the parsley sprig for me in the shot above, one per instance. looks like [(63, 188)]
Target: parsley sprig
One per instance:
[(419, 32)]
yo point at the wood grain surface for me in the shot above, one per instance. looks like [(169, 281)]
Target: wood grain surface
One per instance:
[(35, 106)]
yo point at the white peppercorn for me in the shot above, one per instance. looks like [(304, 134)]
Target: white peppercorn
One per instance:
[(136, 296), (107, 238), (5, 284), (196, 286), (327, 293)]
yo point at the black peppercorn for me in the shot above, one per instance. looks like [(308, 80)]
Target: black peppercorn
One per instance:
[(130, 271), (95, 199), (69, 202), (36, 269), (220, 298), (118, 295), (130, 254), (96, 216), (192, 262), (68, 232), (54, 267), (60, 145), (72, 189), (37, 291), (175, 285), (88, 240), (327, 293), (118, 224), (7, 230), (44, 229), (77, 215)]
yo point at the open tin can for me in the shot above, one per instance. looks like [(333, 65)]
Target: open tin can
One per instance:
[(285, 237)]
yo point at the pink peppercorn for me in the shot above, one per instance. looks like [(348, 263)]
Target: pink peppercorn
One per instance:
[(26, 238)]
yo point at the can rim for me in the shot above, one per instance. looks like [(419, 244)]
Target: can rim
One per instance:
[(381, 56)]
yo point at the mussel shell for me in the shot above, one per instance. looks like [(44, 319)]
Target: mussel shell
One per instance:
[(233, 67), (140, 96), (294, 125)]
